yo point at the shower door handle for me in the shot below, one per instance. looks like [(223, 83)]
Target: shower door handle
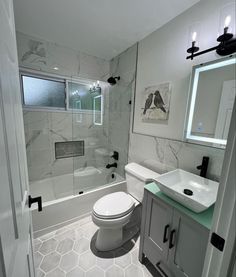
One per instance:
[(37, 200)]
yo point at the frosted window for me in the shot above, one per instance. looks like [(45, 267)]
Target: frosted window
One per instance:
[(43, 93), (80, 97)]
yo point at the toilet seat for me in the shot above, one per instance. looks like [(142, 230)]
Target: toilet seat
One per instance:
[(113, 205)]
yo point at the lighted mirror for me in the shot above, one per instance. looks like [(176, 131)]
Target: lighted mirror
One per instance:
[(211, 102), (98, 110)]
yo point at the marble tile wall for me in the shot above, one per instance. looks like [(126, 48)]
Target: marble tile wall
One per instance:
[(120, 96), (43, 129), (163, 155), (37, 54)]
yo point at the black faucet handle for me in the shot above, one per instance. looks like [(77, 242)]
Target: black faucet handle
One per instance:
[(203, 167), (111, 165), (115, 155)]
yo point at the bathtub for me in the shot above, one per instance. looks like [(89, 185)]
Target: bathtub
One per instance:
[(65, 199)]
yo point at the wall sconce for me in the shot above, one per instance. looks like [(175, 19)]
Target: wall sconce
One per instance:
[(95, 88), (193, 49), (226, 46)]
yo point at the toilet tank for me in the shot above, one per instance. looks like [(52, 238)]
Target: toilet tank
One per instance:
[(137, 177)]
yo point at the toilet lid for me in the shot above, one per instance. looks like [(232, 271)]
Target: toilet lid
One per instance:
[(113, 205)]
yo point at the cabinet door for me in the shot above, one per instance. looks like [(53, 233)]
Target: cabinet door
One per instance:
[(187, 247), (157, 227)]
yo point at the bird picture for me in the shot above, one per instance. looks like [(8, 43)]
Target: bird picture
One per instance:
[(155, 105), (148, 103), (158, 101)]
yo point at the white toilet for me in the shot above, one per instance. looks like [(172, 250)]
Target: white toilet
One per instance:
[(113, 212)]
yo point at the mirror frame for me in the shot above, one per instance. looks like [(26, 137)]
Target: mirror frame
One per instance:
[(192, 99)]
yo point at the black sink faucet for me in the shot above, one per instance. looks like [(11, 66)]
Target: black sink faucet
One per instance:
[(203, 167), (111, 165)]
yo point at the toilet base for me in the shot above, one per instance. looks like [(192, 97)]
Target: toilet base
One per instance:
[(110, 239)]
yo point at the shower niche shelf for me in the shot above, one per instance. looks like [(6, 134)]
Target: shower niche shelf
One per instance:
[(67, 149)]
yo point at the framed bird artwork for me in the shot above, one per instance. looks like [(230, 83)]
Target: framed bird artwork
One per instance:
[(155, 106)]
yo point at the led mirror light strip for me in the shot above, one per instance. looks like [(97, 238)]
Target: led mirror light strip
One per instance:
[(95, 113), (193, 100)]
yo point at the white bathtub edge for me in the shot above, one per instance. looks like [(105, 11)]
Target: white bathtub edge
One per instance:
[(52, 228), (64, 211)]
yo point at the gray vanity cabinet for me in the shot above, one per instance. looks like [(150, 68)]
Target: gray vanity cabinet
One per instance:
[(172, 241), (157, 226), (188, 247)]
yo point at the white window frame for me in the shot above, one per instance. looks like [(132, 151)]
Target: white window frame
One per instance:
[(43, 77), (58, 78)]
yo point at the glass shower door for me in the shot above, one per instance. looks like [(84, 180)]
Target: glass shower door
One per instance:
[(86, 104)]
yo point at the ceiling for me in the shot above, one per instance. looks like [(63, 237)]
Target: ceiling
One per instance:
[(103, 28)]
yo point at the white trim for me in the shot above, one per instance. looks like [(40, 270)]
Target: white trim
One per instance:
[(38, 109), (57, 78), (195, 78), (217, 263), (2, 263)]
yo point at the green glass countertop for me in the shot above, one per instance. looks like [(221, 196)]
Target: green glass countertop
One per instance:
[(204, 218)]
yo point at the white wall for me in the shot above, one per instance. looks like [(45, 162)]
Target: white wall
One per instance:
[(162, 57)]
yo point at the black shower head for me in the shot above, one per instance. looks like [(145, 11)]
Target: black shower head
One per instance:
[(112, 80)]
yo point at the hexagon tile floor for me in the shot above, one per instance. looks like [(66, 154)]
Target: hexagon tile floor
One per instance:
[(70, 252)]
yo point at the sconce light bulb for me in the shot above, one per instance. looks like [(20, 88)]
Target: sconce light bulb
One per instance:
[(94, 84), (90, 87), (194, 36), (98, 83), (227, 21)]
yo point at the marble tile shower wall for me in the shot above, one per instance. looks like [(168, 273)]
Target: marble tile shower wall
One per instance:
[(37, 54), (43, 129), (120, 96)]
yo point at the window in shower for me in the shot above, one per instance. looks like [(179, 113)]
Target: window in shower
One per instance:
[(41, 92), (50, 93), (80, 97)]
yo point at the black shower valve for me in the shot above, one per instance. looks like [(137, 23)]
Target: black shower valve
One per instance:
[(115, 155)]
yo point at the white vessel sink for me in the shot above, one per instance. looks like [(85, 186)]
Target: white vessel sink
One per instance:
[(190, 190)]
